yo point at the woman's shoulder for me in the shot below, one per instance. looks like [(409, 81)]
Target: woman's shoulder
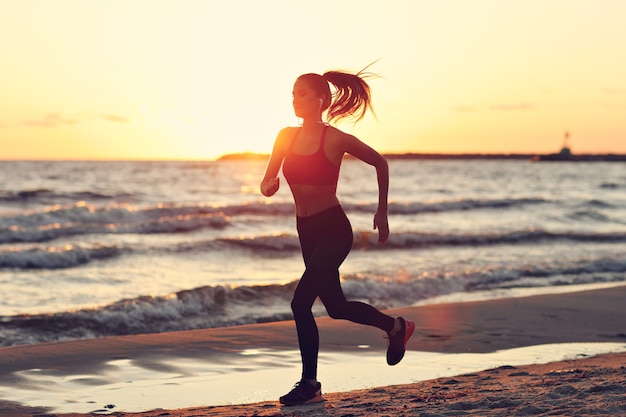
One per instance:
[(339, 135), (285, 136), (288, 131)]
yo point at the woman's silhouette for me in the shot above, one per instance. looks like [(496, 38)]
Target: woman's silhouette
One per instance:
[(311, 156)]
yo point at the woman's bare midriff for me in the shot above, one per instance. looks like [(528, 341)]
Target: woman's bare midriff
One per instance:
[(312, 199)]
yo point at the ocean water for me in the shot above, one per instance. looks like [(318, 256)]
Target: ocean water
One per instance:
[(89, 249)]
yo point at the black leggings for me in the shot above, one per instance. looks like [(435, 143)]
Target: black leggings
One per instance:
[(326, 240)]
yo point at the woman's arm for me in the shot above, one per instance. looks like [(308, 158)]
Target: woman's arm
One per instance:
[(360, 150), (270, 183)]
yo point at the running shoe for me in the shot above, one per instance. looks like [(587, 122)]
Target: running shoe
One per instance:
[(303, 393), (397, 343)]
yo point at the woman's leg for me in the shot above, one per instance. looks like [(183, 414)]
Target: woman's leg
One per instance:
[(308, 336), (332, 249), (339, 308), (318, 255), (326, 240)]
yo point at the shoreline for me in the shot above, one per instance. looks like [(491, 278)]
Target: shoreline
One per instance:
[(481, 327)]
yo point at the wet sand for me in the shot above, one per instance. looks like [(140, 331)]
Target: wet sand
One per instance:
[(583, 387)]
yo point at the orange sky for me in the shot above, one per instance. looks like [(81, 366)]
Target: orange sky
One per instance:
[(194, 79)]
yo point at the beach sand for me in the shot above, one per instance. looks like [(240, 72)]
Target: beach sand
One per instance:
[(577, 386)]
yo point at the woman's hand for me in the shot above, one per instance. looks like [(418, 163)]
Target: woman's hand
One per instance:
[(382, 224), (270, 186)]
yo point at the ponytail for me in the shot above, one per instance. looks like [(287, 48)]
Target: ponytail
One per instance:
[(352, 95)]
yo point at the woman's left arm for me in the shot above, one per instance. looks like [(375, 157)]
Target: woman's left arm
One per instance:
[(365, 153)]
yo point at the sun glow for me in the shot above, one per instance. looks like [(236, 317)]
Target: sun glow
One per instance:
[(162, 79)]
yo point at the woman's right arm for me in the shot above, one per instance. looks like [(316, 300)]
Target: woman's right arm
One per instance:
[(270, 182)]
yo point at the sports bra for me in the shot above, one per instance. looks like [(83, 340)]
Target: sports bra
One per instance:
[(313, 169)]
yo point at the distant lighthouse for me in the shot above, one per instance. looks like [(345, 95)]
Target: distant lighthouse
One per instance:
[(565, 150)]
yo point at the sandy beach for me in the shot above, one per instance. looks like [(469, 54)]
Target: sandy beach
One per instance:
[(579, 385), (583, 387)]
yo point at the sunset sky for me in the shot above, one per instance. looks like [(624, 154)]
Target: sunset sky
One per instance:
[(195, 79)]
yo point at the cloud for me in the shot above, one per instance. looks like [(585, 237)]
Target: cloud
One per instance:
[(51, 120), (55, 120), (115, 118), (495, 107), (613, 90), (511, 107)]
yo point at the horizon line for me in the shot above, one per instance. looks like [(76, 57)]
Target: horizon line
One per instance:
[(260, 155)]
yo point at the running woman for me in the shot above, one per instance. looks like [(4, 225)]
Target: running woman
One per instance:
[(310, 156)]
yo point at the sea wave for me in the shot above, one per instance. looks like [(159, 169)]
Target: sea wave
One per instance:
[(82, 219), (220, 306), (205, 307), (413, 208), (44, 196), (112, 214), (82, 211), (413, 240), (53, 257), (368, 240), (461, 205), (56, 257)]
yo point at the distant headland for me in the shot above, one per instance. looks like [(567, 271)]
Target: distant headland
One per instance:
[(243, 156)]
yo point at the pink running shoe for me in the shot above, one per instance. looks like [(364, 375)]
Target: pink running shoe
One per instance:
[(397, 343)]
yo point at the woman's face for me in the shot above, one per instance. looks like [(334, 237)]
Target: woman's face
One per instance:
[(306, 102)]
